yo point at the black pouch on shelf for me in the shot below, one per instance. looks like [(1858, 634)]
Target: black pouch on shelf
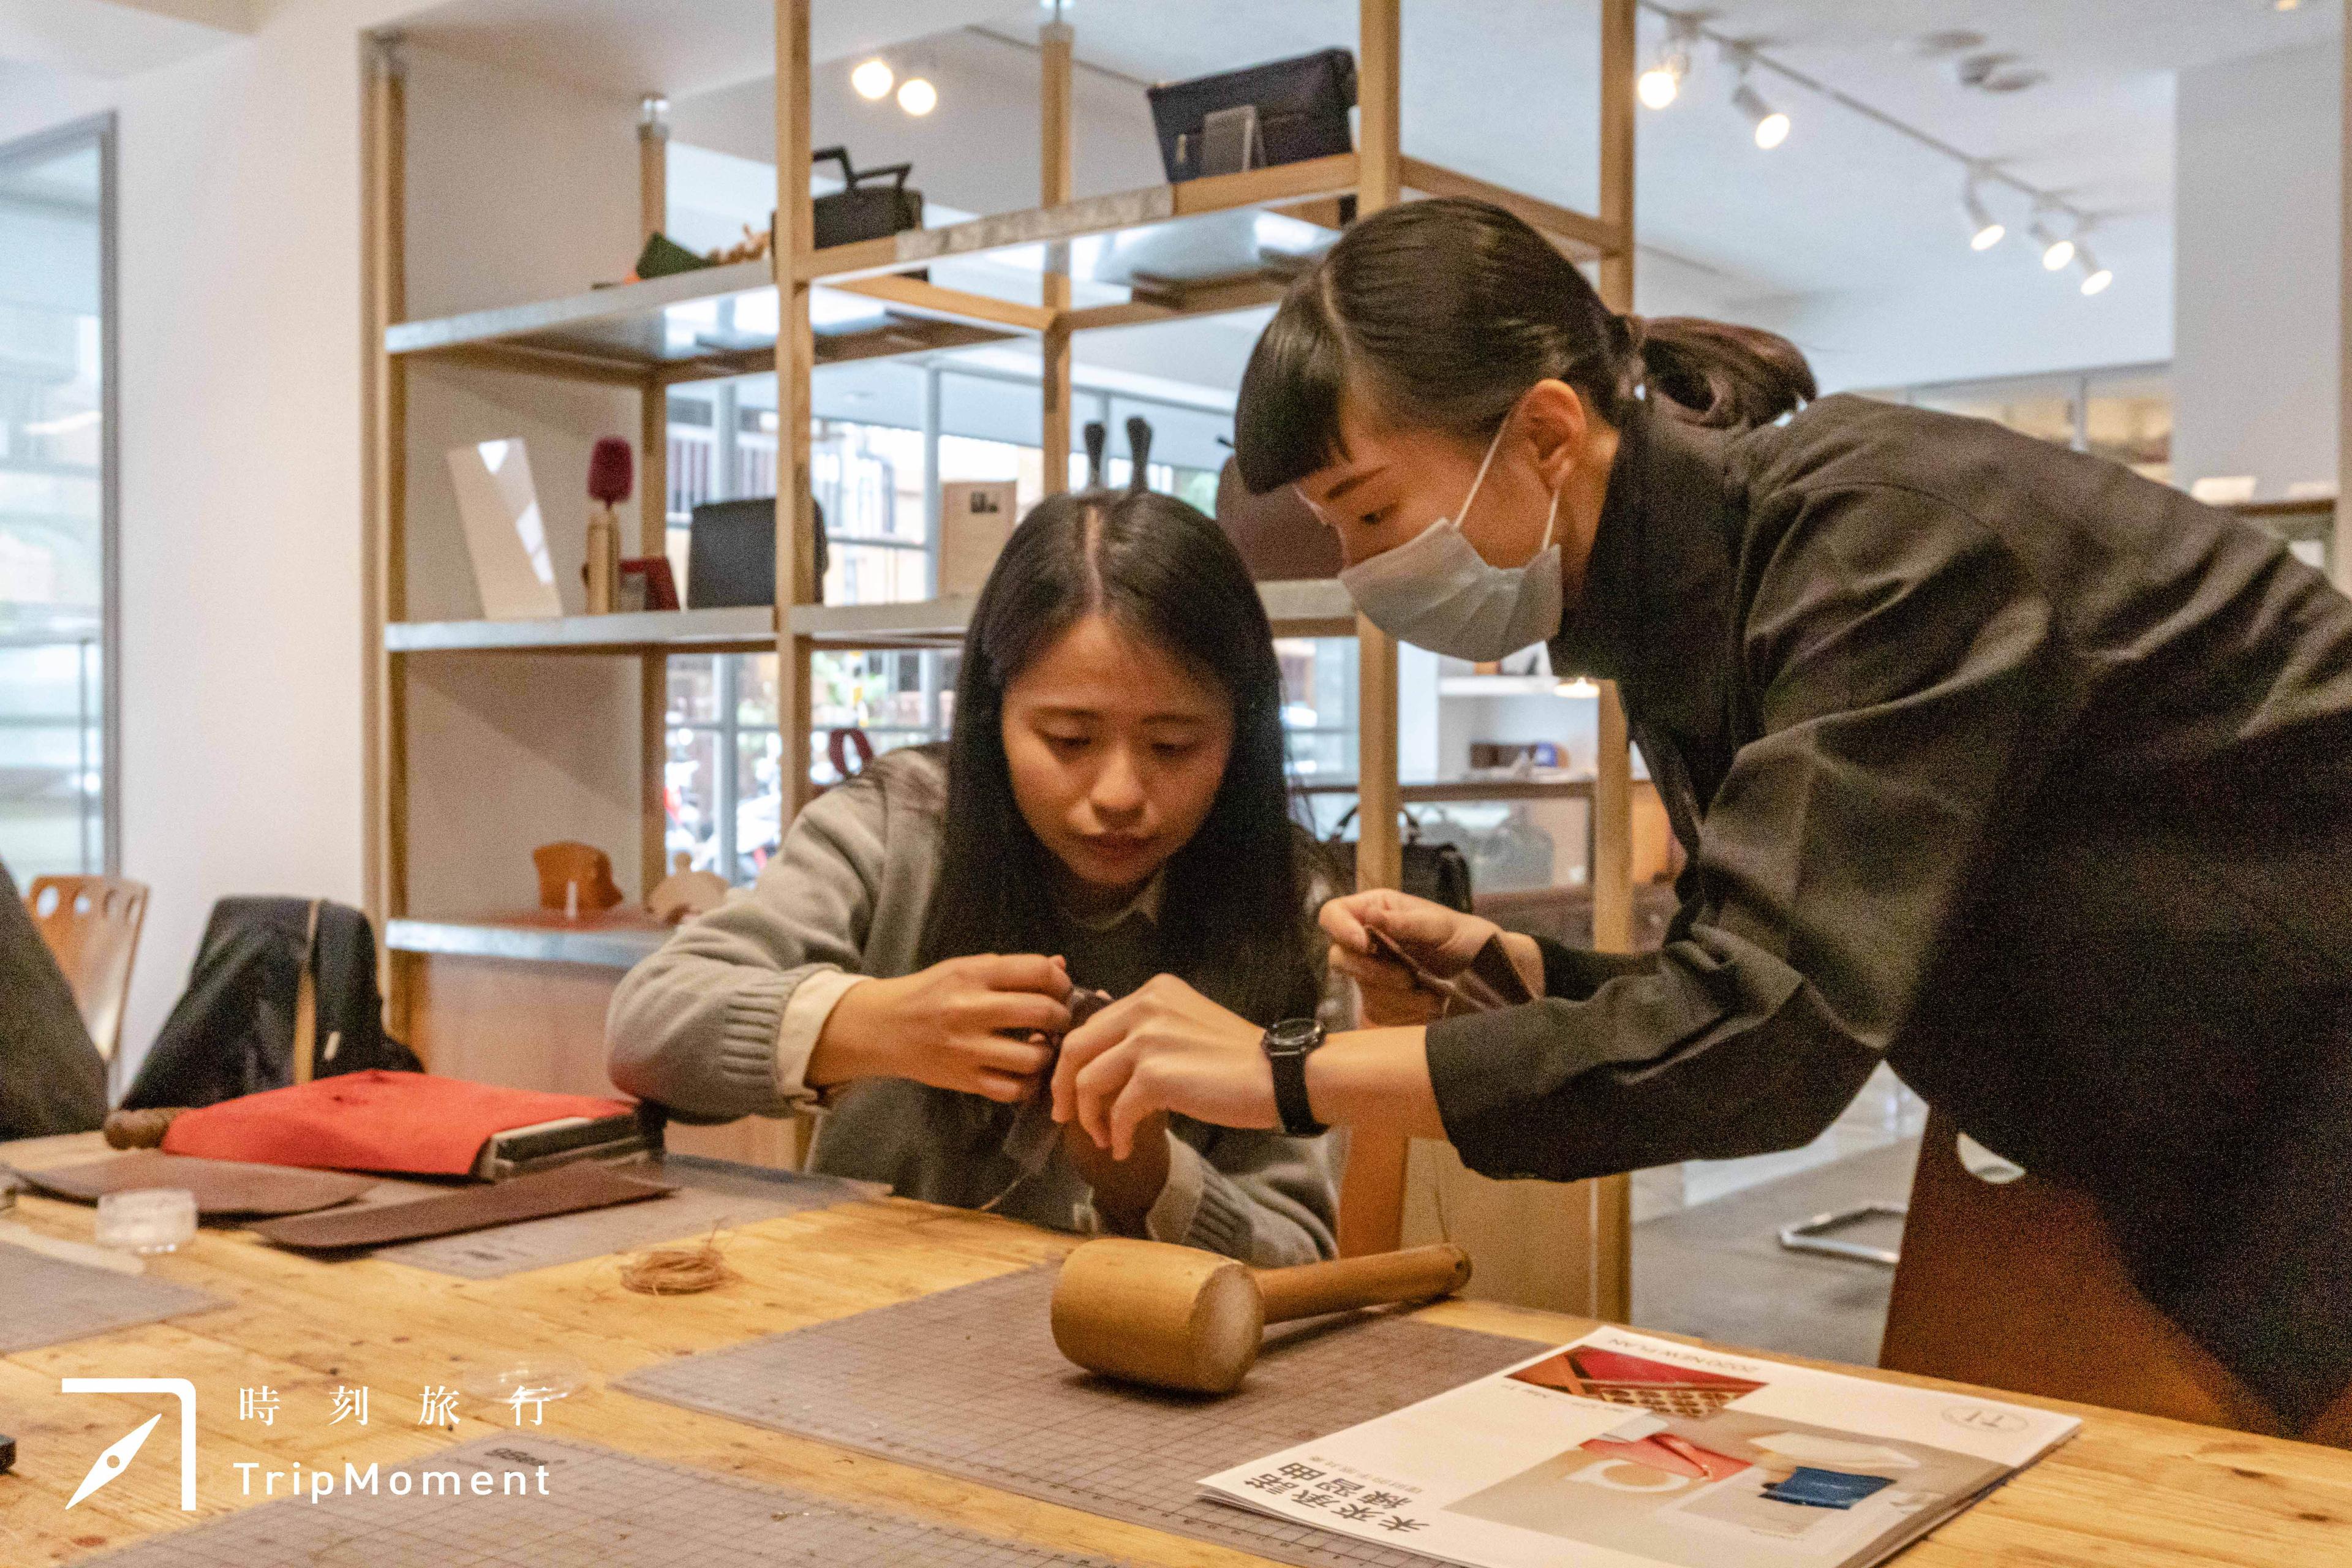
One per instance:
[(731, 554), (1284, 111), (859, 211), (1438, 872)]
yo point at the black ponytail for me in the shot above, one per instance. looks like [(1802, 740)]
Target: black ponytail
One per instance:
[(1445, 311)]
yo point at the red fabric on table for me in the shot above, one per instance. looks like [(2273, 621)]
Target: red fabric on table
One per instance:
[(410, 1122)]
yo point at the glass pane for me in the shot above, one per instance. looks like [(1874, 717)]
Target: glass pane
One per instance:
[(2041, 407), (755, 688), (52, 512), (876, 573), (869, 480), (1319, 705), (690, 791), (758, 786), (2129, 419), (693, 689)]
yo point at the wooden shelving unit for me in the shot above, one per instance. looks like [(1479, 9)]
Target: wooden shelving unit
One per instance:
[(1218, 244)]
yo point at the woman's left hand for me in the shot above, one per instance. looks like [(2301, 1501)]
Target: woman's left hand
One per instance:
[(1165, 1047)]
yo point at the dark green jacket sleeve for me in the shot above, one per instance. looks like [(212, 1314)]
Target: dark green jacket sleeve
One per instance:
[(1891, 646)]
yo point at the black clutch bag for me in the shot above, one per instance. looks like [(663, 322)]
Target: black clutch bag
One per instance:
[(1438, 872)]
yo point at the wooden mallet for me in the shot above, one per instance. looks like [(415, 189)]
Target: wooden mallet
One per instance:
[(1175, 1317)]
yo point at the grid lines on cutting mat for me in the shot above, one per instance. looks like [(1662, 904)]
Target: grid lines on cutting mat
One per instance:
[(604, 1509), (967, 1382), (46, 1300)]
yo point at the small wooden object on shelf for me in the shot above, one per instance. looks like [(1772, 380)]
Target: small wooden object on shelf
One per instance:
[(575, 878), (685, 891)]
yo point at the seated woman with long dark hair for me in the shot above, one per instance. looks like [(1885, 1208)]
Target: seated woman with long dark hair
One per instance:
[(1111, 806)]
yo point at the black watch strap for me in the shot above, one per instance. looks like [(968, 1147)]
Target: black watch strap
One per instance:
[(1287, 1045)]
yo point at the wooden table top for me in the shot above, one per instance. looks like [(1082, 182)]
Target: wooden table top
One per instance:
[(2129, 1489)]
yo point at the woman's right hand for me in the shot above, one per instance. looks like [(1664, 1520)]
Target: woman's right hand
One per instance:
[(1441, 941), (972, 1025)]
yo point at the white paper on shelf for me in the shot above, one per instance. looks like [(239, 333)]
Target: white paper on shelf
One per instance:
[(1504, 1472), (504, 531)]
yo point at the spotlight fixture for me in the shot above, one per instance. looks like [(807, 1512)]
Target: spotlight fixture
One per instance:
[(2056, 250), (1663, 82), (873, 80), (1985, 231), (1771, 125), (917, 95), (2095, 277)]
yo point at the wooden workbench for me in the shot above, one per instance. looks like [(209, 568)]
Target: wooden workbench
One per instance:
[(2129, 1489)]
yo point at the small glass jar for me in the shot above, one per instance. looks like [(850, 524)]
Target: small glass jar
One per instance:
[(147, 1219)]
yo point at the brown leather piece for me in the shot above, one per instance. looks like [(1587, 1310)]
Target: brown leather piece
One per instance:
[(221, 1186), (567, 1189)]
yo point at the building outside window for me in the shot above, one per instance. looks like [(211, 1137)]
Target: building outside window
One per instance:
[(57, 664)]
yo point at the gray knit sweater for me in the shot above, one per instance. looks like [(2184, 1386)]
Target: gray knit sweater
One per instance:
[(719, 1022)]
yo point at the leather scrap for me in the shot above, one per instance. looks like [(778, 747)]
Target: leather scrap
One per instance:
[(567, 1189), (221, 1186)]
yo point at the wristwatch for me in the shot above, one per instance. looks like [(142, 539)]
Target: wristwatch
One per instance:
[(1287, 1045)]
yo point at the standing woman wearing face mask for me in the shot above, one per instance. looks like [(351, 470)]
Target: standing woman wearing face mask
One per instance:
[(1992, 761)]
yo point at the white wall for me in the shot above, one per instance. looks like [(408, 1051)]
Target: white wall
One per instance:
[(239, 397), (2258, 204), (519, 189), (242, 343)]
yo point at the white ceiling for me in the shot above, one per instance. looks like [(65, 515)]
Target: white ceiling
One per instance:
[(116, 38), (1505, 89)]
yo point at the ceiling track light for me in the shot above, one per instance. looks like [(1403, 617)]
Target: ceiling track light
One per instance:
[(1771, 127), (918, 96), (873, 79), (1985, 231), (2057, 249), (2095, 277), (1663, 83)]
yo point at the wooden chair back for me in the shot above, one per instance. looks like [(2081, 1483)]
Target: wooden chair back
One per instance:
[(91, 924), (2021, 1287)]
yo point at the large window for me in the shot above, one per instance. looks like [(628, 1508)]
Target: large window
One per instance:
[(56, 503)]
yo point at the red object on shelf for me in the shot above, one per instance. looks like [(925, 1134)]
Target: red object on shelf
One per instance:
[(611, 470), (412, 1123), (660, 588)]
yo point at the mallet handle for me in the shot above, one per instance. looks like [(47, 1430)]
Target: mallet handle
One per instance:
[(1310, 1290)]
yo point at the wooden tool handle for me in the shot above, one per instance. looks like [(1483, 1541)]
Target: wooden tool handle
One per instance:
[(1347, 1283), (139, 1129)]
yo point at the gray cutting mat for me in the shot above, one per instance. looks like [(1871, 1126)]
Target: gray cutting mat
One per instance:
[(608, 1510), (46, 1302), (710, 1193), (967, 1382)]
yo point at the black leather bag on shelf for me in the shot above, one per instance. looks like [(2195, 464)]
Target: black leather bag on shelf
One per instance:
[(859, 211), (1438, 872), (1284, 111)]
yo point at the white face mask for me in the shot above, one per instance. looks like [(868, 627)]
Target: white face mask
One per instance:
[(1435, 591)]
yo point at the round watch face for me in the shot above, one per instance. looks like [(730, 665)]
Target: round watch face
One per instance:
[(1293, 1034)]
